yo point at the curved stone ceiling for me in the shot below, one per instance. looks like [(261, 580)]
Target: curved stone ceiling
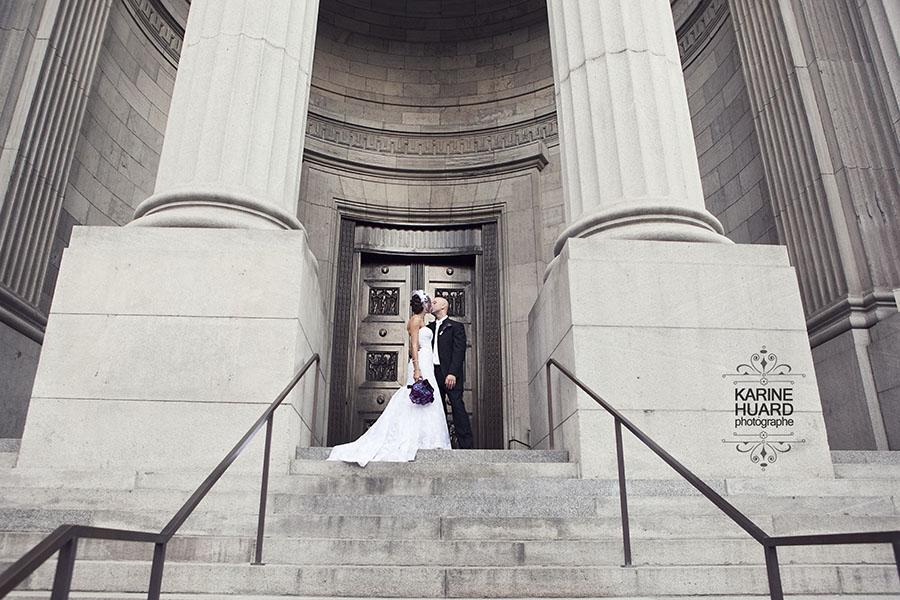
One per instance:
[(432, 65)]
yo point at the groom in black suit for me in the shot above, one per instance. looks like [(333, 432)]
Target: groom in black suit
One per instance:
[(450, 367)]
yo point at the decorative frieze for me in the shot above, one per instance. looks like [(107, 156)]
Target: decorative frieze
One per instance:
[(159, 26), (700, 28), (358, 137)]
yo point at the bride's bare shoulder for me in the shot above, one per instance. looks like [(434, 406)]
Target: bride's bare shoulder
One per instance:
[(415, 323)]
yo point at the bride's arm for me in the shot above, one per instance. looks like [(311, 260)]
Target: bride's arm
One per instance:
[(412, 327)]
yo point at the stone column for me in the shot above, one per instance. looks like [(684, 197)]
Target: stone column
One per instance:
[(638, 303), (48, 56), (41, 118), (627, 147), (833, 164), (234, 140)]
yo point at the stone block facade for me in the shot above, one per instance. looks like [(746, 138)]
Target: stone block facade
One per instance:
[(446, 106)]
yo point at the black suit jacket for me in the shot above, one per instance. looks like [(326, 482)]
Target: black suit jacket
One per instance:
[(451, 342)]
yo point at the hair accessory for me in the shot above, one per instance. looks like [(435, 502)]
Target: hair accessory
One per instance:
[(422, 296)]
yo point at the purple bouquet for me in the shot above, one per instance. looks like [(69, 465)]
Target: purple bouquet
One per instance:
[(421, 392)]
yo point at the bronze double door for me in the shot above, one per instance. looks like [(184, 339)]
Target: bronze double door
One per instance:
[(379, 342)]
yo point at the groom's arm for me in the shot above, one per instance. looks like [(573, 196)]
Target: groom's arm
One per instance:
[(458, 363)]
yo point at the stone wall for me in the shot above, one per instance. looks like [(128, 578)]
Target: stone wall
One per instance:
[(727, 147), (425, 70)]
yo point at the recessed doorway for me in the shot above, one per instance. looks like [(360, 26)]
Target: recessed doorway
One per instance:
[(370, 352)]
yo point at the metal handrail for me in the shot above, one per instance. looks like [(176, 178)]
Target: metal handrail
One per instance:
[(769, 543), (64, 539)]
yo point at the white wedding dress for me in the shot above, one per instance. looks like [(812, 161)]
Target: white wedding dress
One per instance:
[(403, 427)]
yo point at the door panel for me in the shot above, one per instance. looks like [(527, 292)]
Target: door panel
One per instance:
[(380, 357)]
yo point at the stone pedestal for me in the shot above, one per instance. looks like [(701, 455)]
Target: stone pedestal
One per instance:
[(165, 344), (661, 331)]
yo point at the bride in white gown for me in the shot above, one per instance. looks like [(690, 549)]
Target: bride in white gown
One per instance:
[(404, 427)]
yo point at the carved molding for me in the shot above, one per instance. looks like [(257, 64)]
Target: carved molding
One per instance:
[(159, 26), (384, 238), (401, 143), (700, 28)]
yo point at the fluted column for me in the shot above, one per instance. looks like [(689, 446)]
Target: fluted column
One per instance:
[(628, 155), (832, 159), (44, 117), (234, 138), (833, 165)]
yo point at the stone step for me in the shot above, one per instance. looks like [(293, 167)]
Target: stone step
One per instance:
[(884, 457), (172, 596), (456, 469), (788, 515), (813, 487), (867, 471), (460, 553), (153, 488), (167, 596), (676, 526), (469, 582), (407, 479), (409, 496), (462, 456)]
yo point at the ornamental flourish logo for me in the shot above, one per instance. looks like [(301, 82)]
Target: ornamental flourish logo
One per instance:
[(763, 408)]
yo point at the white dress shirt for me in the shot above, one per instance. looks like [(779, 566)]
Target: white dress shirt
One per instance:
[(437, 328)]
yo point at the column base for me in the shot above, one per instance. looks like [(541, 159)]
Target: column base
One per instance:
[(164, 345), (663, 332), (211, 209), (646, 221)]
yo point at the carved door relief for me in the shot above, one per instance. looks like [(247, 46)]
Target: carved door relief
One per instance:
[(371, 344)]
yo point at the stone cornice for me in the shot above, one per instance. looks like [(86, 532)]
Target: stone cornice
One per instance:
[(159, 26), (700, 28)]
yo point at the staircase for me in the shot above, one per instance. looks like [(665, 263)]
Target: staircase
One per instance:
[(470, 524)]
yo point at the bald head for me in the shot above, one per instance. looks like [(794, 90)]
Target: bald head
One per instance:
[(439, 307)]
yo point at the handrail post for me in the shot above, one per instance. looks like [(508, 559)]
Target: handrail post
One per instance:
[(549, 409), (312, 425), (65, 567), (623, 494), (264, 492), (156, 571), (773, 572), (896, 545)]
